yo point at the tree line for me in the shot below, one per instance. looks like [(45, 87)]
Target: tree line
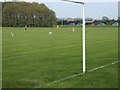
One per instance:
[(18, 14), (104, 20)]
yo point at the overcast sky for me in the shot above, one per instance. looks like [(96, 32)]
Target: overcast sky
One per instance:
[(61, 1), (95, 9)]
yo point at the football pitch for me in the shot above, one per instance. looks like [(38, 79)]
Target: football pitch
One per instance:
[(35, 59)]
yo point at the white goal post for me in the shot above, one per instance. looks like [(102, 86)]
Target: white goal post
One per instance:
[(83, 32)]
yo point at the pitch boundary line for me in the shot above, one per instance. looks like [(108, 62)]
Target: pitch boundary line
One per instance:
[(21, 44), (76, 75), (12, 57)]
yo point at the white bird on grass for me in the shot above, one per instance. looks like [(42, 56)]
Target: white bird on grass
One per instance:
[(50, 33)]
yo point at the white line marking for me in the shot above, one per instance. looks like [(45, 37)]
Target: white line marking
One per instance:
[(76, 75), (53, 56), (20, 44), (14, 57)]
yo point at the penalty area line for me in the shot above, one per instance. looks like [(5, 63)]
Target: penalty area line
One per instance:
[(76, 75)]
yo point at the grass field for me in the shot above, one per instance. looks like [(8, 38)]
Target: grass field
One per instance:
[(34, 59)]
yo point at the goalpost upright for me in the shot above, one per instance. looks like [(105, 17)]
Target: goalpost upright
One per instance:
[(83, 32), (84, 44)]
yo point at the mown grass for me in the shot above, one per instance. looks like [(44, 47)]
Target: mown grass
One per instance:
[(33, 58)]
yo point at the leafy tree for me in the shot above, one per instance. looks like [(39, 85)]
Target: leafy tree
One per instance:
[(24, 13)]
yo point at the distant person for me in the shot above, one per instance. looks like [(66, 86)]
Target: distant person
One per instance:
[(73, 29), (57, 26), (25, 27)]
